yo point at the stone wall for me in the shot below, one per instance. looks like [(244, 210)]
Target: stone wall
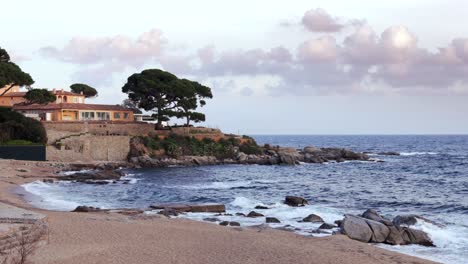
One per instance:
[(88, 148), (106, 141), (59, 130)]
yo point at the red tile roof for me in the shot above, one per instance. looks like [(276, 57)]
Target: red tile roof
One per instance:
[(15, 94), (68, 106), (56, 92)]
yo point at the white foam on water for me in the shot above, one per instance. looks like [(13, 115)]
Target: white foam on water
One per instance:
[(53, 196), (67, 173), (451, 243), (44, 196), (417, 153)]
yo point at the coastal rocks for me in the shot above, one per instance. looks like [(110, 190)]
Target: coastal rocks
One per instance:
[(86, 209), (409, 220), (295, 201), (313, 218), (229, 223), (211, 219), (356, 228), (272, 220), (168, 212), (192, 208), (374, 215), (254, 214), (372, 227), (94, 177), (380, 231), (261, 207), (326, 226)]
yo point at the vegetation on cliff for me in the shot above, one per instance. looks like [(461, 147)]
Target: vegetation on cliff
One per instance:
[(176, 146), (15, 126)]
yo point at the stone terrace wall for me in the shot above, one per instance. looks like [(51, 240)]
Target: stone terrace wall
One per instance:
[(91, 148), (58, 130)]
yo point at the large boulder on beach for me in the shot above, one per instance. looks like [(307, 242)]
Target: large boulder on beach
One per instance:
[(374, 215), (395, 236), (414, 236), (380, 231), (313, 218), (356, 228), (295, 201)]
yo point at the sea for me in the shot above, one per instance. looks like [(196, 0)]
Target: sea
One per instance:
[(429, 178)]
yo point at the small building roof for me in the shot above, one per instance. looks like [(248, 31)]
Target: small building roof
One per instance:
[(70, 106)]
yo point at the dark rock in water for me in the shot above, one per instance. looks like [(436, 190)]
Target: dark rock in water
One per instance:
[(413, 236), (48, 181), (240, 214), (313, 218), (295, 201), (374, 215), (338, 222), (261, 207), (380, 231), (169, 212), (211, 219), (272, 220), (389, 153), (228, 223), (409, 220), (86, 209), (254, 214), (356, 228), (99, 175), (193, 208), (327, 226)]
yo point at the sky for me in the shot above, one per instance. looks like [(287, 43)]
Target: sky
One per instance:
[(275, 67)]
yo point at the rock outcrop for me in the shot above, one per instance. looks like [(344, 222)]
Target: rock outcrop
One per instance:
[(372, 227), (313, 218), (295, 201)]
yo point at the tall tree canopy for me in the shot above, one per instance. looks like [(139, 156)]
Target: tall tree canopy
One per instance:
[(11, 74), (40, 96), (127, 103), (87, 90), (167, 95)]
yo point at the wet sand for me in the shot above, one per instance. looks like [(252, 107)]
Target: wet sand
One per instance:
[(115, 238)]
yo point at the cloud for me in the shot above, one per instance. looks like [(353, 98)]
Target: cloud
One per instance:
[(318, 20), (360, 61)]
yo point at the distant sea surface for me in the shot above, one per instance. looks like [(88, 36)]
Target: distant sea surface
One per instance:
[(429, 178)]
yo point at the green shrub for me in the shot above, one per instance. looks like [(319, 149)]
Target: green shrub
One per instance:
[(15, 126), (176, 145), (18, 142)]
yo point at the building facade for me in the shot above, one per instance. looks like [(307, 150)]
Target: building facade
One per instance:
[(67, 107)]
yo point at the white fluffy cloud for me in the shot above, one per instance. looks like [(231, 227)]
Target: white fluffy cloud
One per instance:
[(318, 20), (360, 61)]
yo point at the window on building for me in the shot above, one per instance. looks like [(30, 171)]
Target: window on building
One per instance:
[(103, 115), (75, 100), (116, 115), (87, 115), (125, 115)]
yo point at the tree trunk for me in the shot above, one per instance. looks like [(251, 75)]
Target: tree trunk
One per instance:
[(188, 121), (8, 89)]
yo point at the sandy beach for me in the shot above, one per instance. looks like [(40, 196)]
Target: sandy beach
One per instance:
[(116, 238)]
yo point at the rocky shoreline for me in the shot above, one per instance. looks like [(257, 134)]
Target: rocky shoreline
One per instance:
[(369, 227), (271, 156)]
